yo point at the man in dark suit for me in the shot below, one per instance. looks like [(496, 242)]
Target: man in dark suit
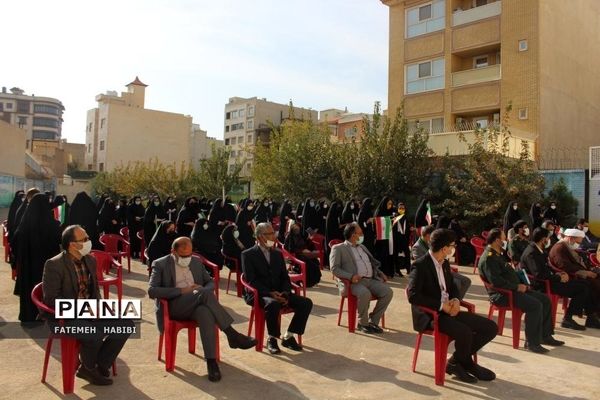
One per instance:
[(431, 285), (72, 275), (185, 283), (265, 270)]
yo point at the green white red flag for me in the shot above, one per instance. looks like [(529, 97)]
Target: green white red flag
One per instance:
[(383, 228)]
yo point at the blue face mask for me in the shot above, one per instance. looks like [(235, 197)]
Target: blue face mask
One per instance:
[(360, 240)]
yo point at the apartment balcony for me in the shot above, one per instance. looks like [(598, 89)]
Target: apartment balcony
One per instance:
[(452, 143), (477, 75), (461, 17)]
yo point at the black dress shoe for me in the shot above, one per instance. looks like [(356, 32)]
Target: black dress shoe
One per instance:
[(536, 348), (239, 341), (375, 328), (365, 329), (454, 368), (570, 323), (93, 376), (291, 343), (105, 372), (214, 373), (550, 341), (272, 346), (481, 373)]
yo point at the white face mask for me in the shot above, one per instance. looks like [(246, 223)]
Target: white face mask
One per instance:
[(87, 247), (325, 206), (184, 262), (449, 256), (138, 202), (157, 203), (526, 231), (553, 207), (515, 207), (250, 208), (312, 203), (585, 229), (266, 204), (352, 207), (360, 239), (548, 243), (269, 243), (504, 244), (236, 234), (574, 245), (205, 226)]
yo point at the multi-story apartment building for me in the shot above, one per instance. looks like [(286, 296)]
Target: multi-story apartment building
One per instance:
[(249, 119), (458, 64), (40, 117), (121, 130)]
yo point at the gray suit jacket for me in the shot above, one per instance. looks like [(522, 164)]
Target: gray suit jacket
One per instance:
[(59, 280), (419, 249), (162, 282), (344, 266)]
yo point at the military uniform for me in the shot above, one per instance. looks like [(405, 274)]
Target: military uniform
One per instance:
[(516, 247), (495, 268)]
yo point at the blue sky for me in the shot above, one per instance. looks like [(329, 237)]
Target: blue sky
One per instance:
[(195, 54)]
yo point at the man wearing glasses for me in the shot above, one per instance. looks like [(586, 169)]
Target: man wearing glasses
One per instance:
[(72, 275), (431, 285), (265, 270)]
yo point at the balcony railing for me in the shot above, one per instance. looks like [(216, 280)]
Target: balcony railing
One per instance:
[(477, 75), (476, 13), (452, 144)]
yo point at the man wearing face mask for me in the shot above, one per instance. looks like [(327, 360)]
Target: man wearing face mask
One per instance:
[(72, 275), (535, 261), (184, 282), (352, 261), (495, 268), (265, 269), (431, 285), (590, 241), (519, 242)]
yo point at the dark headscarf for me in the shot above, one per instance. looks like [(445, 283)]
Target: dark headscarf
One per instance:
[(160, 244), (241, 220), (12, 212), (510, 217), (421, 214), (83, 212), (309, 216), (188, 213), (382, 209)]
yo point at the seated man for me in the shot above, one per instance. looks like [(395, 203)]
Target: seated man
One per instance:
[(265, 270), (590, 241), (495, 268), (519, 242), (535, 261), (431, 285), (551, 228), (184, 282), (351, 260), (421, 248), (72, 275)]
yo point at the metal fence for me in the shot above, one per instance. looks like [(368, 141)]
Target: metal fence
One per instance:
[(10, 184)]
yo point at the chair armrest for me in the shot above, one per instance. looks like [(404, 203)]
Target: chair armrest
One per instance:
[(469, 306)]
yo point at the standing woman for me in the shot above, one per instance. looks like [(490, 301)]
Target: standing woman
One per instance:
[(332, 226), (347, 214), (217, 218), (401, 232), (552, 214), (365, 220), (262, 212), (107, 220), (122, 213), (187, 217), (11, 226), (465, 250), (285, 214), (160, 244), (536, 215), (170, 207), (244, 223), (383, 251), (322, 209), (421, 215), (510, 216), (83, 212), (38, 238), (310, 219), (154, 216), (135, 223)]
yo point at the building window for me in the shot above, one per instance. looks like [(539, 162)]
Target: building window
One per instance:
[(89, 147), (523, 45), (232, 154), (101, 167), (425, 18), (44, 135), (431, 126), (237, 126), (226, 142), (23, 106), (480, 61), (90, 166), (250, 124), (22, 121), (227, 115), (523, 113), (479, 3), (249, 139), (234, 114), (233, 141), (90, 127), (102, 121), (240, 140), (45, 109), (1, 106), (498, 59), (49, 122), (425, 76), (251, 111), (101, 145), (226, 128), (480, 122), (9, 106), (242, 112), (350, 132)]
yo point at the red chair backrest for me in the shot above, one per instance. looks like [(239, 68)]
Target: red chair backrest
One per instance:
[(125, 232), (484, 234), (594, 259), (111, 242), (37, 295), (103, 261), (479, 245), (333, 242)]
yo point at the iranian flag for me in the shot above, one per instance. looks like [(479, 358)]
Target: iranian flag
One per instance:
[(428, 215), (383, 228), (289, 224), (59, 214)]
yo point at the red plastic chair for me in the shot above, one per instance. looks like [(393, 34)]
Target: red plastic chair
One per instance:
[(209, 265), (318, 241), (140, 236), (234, 268), (554, 298), (111, 243), (169, 337), (352, 307), (333, 242), (479, 245), (441, 341), (104, 262), (516, 312), (485, 234), (297, 278), (125, 233), (69, 347), (257, 314)]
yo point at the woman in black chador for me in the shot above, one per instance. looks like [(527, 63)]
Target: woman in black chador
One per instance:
[(285, 214), (170, 207), (187, 216), (38, 239), (536, 214), (511, 216), (155, 214), (244, 223), (310, 219), (83, 212), (108, 218), (383, 251), (160, 244), (11, 225), (135, 223), (365, 220)]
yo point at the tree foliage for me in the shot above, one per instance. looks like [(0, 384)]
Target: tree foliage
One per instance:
[(482, 183), (154, 177)]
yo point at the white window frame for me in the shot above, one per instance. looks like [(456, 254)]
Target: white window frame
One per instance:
[(487, 61), (427, 124), (431, 76), (525, 43), (523, 113), (406, 25)]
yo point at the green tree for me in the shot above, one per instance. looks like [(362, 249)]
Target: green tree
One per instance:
[(483, 182), (215, 174)]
